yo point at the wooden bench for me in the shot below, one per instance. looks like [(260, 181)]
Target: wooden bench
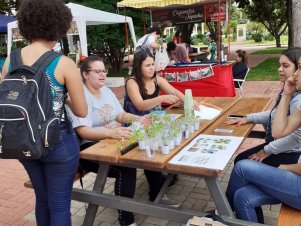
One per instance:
[(289, 216), (28, 183)]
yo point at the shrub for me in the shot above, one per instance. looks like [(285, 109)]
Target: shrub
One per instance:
[(268, 37), (257, 37), (195, 40)]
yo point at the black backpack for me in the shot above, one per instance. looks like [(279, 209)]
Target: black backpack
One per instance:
[(28, 125), (144, 47)]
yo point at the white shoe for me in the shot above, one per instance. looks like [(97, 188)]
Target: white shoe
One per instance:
[(133, 224), (168, 201)]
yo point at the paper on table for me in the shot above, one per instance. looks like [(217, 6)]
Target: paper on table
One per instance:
[(208, 151), (207, 112)]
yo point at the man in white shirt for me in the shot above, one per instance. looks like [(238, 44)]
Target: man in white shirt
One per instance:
[(148, 42)]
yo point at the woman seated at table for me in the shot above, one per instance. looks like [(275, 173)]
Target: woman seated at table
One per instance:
[(274, 152), (252, 183), (142, 96), (240, 68), (104, 120)]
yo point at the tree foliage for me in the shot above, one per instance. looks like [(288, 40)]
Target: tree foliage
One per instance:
[(111, 39), (7, 6), (271, 13)]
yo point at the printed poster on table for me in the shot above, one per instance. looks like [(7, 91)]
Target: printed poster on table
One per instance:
[(208, 151)]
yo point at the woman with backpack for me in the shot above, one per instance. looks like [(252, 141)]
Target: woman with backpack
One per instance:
[(42, 23)]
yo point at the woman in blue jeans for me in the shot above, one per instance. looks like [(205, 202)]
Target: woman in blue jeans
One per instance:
[(252, 183), (42, 23)]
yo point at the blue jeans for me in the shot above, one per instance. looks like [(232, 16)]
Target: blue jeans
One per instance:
[(253, 184), (52, 178)]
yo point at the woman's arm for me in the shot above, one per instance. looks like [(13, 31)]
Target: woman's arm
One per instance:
[(5, 68), (286, 124), (132, 89), (169, 89), (127, 118), (96, 134), (73, 82)]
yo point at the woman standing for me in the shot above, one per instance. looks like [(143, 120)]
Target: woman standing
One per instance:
[(42, 23)]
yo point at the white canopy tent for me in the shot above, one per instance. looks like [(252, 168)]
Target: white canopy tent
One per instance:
[(84, 16)]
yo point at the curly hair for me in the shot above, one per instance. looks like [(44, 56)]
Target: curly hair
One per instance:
[(43, 19)]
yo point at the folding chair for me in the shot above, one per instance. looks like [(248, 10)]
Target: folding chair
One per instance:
[(240, 82)]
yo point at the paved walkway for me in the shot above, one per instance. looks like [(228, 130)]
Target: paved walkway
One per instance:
[(17, 202)]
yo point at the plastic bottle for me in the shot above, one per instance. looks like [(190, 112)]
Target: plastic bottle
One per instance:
[(188, 104)]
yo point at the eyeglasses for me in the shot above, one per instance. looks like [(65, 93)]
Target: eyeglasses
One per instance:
[(97, 71)]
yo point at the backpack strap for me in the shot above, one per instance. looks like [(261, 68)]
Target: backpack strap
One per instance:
[(45, 60), (40, 64), (15, 58)]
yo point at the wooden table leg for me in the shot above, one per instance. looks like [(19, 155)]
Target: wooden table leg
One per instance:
[(99, 185)]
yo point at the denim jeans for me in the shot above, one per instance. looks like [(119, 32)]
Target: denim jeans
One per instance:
[(52, 178), (253, 184)]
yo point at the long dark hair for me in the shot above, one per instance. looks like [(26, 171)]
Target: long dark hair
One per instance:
[(293, 54), (243, 55), (139, 57)]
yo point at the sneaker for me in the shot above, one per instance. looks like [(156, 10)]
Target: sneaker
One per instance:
[(133, 224), (168, 202)]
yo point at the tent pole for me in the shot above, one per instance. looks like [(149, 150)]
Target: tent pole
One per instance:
[(126, 36), (229, 28), (151, 17)]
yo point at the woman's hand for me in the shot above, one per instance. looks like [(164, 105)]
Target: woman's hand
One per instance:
[(237, 121), (170, 99), (290, 86), (259, 156), (119, 133), (283, 167)]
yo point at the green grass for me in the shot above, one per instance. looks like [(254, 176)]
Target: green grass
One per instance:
[(274, 50), (265, 71)]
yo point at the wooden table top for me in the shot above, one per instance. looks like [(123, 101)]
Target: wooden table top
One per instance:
[(243, 106), (138, 158), (107, 150)]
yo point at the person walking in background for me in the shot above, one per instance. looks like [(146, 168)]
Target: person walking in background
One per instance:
[(240, 67), (274, 152), (149, 41), (42, 23), (177, 38), (104, 120)]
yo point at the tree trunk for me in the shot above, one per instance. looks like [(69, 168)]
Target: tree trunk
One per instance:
[(278, 43), (289, 22), (296, 21)]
